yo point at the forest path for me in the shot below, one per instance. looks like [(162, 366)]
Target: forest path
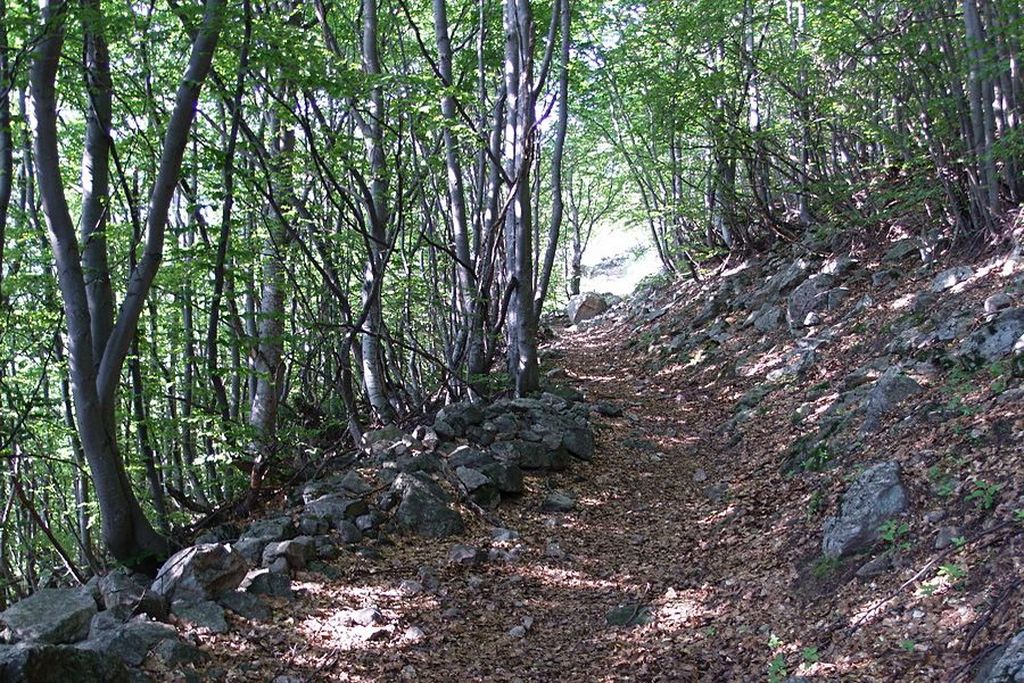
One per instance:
[(645, 535)]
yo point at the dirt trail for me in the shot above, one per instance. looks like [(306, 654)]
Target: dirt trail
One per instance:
[(671, 523)]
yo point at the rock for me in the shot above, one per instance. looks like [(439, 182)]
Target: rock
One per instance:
[(579, 442), (349, 533), (950, 278), (265, 582), (999, 337), (336, 508), (422, 508), (479, 486), (200, 573), (999, 301), (1005, 665), (354, 483), (130, 642), (584, 307), (507, 477), (367, 616), (246, 605), (377, 441), (808, 298), (410, 588), (206, 614), (502, 535), (892, 388), (268, 530), (297, 552), (558, 501), (884, 277), (311, 525), (50, 615), (875, 567), (767, 318), (464, 554), (874, 497), (44, 663), (174, 652), (608, 410), (121, 593), (629, 615), (250, 548), (945, 537), (900, 250)]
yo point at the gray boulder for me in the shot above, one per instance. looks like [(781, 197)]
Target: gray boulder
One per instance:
[(199, 573), (1006, 665), (39, 663), (50, 615), (579, 442), (874, 497), (246, 605), (336, 508), (507, 477), (269, 530), (892, 388), (585, 306), (130, 642), (422, 507), (266, 582), (950, 278), (558, 501), (297, 552), (206, 614), (999, 337), (809, 297), (122, 594), (479, 486)]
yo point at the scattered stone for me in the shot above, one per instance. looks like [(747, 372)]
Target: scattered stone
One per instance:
[(629, 615), (414, 635), (874, 497), (579, 442), (608, 410), (464, 555), (367, 616), (501, 535), (892, 388), (999, 301), (999, 337), (50, 615), (950, 278), (945, 537), (875, 567), (558, 501), (200, 573), (410, 588), (901, 249)]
